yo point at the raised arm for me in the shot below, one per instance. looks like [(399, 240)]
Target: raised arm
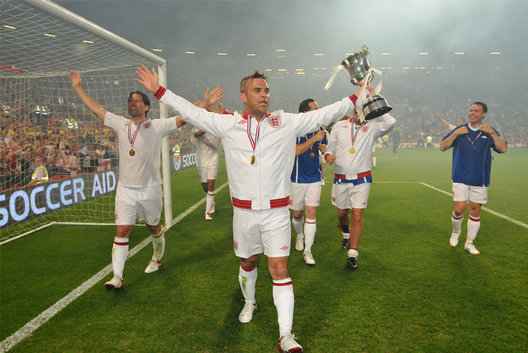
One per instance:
[(445, 122), (148, 78), (211, 98), (88, 101)]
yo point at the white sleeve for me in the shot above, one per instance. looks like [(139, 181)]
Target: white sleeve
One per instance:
[(216, 124), (332, 142), (385, 124), (312, 120)]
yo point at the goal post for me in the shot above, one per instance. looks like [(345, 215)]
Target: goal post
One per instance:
[(41, 42)]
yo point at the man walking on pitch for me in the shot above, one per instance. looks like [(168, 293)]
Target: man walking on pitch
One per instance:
[(472, 144), (306, 185), (139, 194), (207, 165), (350, 147), (259, 150)]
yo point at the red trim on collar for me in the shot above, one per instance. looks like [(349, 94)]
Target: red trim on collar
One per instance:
[(246, 115)]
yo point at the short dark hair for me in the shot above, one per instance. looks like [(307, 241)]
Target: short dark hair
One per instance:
[(243, 82), (144, 97), (305, 105), (483, 105)]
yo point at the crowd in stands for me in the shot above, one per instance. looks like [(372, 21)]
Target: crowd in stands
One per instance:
[(72, 144), (69, 146)]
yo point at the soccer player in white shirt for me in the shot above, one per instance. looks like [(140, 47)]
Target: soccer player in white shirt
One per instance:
[(350, 147), (207, 165), (259, 149), (138, 194)]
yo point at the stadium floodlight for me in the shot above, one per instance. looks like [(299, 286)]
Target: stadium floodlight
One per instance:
[(40, 84)]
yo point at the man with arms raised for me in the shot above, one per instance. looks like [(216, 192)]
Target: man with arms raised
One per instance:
[(259, 150), (139, 194)]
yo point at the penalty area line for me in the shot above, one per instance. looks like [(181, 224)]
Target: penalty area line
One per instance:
[(53, 310), (495, 213)]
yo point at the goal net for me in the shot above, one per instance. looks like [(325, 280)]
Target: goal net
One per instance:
[(41, 116)]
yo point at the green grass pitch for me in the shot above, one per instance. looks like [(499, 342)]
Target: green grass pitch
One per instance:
[(411, 293)]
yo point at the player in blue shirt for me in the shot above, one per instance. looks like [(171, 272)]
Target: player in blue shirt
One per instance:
[(306, 185), (472, 144)]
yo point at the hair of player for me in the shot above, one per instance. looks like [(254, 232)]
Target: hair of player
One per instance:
[(243, 82), (305, 105), (483, 105), (145, 98)]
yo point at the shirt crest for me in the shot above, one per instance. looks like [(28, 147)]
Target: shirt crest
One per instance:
[(274, 121)]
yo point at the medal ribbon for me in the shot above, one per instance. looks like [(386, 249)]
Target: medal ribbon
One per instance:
[(132, 139), (353, 136), (473, 142), (306, 137), (252, 141)]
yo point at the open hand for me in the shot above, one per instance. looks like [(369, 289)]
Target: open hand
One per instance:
[(148, 78)]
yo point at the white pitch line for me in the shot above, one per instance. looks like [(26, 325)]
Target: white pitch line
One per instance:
[(53, 310), (495, 213)]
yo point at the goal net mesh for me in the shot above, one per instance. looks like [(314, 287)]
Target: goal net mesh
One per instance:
[(41, 116)]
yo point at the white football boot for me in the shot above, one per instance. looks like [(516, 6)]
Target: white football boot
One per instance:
[(115, 283), (153, 266), (246, 315), (453, 241), (288, 344), (308, 258), (470, 248), (299, 243)]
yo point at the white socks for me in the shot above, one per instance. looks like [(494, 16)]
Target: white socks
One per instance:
[(248, 280), (456, 221), (298, 226), (473, 225), (119, 256), (310, 226), (284, 302), (158, 243), (209, 201)]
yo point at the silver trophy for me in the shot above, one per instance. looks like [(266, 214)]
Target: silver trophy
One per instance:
[(358, 68), (357, 65)]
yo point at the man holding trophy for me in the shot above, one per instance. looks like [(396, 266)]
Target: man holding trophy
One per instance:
[(350, 146)]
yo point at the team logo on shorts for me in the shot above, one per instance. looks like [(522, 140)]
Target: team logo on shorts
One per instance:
[(235, 245), (274, 121), (284, 248)]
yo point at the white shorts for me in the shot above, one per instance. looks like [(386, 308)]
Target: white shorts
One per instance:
[(305, 194), (463, 192), (348, 195), (255, 232), (208, 172), (143, 204)]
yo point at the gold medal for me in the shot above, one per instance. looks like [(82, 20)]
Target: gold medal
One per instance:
[(312, 155), (131, 152), (352, 150), (252, 159)]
